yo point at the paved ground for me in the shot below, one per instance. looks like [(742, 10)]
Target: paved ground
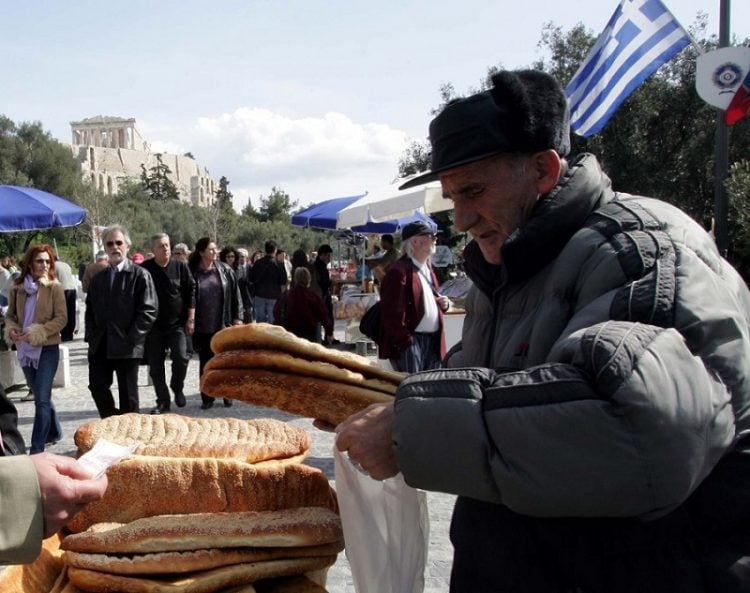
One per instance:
[(75, 406)]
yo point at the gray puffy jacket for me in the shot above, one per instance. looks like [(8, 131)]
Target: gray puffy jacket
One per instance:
[(611, 361)]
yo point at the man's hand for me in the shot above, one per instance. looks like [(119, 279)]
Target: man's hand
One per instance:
[(66, 487), (367, 437), (443, 302)]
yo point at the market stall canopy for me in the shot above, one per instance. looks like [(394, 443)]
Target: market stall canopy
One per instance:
[(323, 215), (29, 209), (389, 202)]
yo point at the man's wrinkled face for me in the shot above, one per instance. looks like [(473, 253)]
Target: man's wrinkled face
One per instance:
[(116, 247), (162, 250), (424, 246), (491, 199)]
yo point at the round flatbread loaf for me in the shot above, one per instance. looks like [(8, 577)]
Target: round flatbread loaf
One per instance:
[(283, 362), (190, 560), (208, 581), (149, 486), (173, 435), (265, 336), (310, 397), (301, 526)]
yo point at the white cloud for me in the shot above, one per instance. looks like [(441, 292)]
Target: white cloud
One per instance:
[(310, 158)]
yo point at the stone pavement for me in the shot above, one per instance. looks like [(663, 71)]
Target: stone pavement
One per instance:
[(75, 406)]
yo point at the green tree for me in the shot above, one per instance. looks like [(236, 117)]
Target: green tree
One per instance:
[(223, 195), (157, 183), (277, 206)]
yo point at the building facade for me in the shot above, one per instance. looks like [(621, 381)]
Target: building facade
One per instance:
[(112, 149)]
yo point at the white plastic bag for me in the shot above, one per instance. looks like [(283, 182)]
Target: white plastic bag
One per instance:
[(386, 530)]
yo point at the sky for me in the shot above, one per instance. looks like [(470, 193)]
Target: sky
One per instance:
[(318, 98)]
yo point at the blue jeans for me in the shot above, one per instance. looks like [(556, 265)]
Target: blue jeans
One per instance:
[(47, 427), (423, 354), (264, 309)]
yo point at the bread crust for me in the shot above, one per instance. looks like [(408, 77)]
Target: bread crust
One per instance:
[(149, 486), (208, 581), (266, 336), (310, 397), (173, 435), (190, 560), (38, 576), (275, 360), (301, 526)]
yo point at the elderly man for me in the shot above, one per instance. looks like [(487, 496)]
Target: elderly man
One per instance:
[(175, 291), (121, 307), (411, 327), (601, 441), (181, 252)]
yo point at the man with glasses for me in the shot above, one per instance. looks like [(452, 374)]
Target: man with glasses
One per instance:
[(412, 336), (175, 289), (121, 307)]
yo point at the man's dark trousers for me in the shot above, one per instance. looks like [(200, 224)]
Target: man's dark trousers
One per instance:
[(157, 342), (101, 370)]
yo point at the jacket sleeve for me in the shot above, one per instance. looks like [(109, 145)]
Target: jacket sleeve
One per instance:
[(11, 318), (146, 307), (238, 311), (626, 424), (22, 522)]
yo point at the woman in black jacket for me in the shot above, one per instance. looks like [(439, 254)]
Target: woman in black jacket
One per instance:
[(217, 303)]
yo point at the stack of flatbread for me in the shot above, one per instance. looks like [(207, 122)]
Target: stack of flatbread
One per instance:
[(206, 523), (266, 365), (202, 552)]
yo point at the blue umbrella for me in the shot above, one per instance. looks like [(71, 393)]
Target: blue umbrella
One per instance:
[(29, 209), (323, 216)]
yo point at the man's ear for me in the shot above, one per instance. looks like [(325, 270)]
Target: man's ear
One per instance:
[(546, 167)]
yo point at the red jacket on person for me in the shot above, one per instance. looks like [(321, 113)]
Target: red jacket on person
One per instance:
[(402, 308), (300, 310)]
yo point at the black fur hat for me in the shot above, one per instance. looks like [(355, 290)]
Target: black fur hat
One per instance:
[(525, 111)]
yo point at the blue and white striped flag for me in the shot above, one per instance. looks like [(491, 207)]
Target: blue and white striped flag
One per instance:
[(641, 36)]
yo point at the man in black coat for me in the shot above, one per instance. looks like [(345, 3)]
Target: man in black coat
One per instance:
[(121, 307), (175, 289)]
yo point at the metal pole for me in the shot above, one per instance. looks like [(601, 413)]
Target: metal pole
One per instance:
[(722, 150)]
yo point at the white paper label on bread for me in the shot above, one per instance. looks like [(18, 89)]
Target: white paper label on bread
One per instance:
[(103, 455)]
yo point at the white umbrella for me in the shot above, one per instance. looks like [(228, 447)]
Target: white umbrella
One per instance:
[(388, 203)]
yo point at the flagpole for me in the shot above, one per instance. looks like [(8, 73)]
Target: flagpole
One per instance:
[(721, 170)]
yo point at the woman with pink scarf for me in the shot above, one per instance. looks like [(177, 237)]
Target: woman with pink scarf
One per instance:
[(36, 314)]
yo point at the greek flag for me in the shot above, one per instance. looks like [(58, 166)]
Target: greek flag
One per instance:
[(641, 36)]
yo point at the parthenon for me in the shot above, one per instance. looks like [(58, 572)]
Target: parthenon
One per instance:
[(110, 149)]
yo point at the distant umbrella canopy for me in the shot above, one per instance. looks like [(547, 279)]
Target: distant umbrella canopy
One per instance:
[(29, 209), (324, 216)]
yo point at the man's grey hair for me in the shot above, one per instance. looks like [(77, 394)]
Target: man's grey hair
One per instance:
[(110, 230), (181, 247), (408, 247), (158, 236)]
